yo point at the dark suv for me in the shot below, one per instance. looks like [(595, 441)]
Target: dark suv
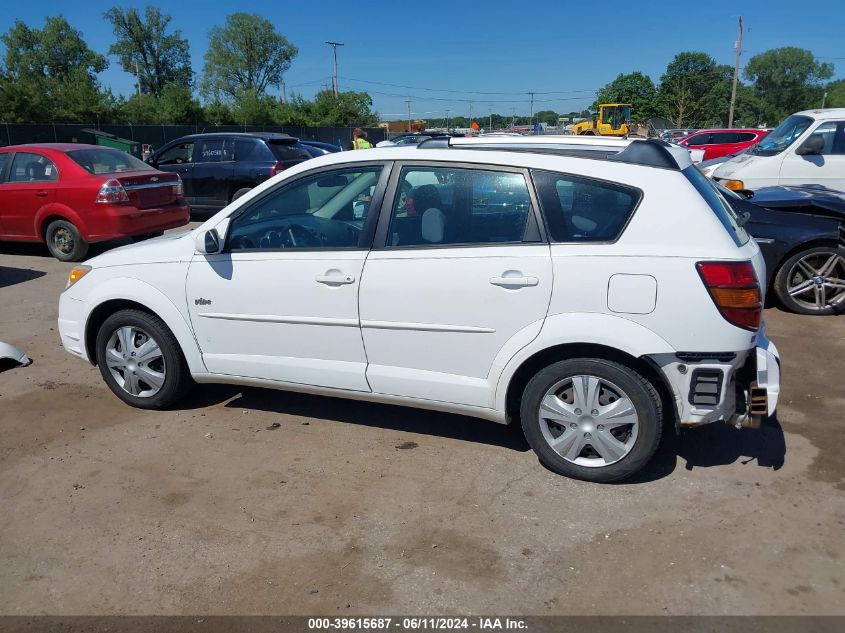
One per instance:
[(218, 168)]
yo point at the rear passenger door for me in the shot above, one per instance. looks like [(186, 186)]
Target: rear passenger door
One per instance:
[(459, 279), (213, 172)]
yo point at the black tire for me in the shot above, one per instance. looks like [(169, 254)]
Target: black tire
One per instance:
[(64, 241), (642, 394), (239, 193), (787, 276), (177, 380)]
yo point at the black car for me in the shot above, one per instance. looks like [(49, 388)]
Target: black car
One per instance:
[(801, 233), (220, 167)]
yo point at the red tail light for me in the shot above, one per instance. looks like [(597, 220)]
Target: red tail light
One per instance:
[(276, 168), (112, 191), (178, 188), (735, 290)]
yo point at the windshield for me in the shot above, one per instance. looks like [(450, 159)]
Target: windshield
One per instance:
[(107, 161), (717, 204), (782, 136)]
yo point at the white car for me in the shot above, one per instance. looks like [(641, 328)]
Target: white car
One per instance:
[(593, 299), (807, 148)]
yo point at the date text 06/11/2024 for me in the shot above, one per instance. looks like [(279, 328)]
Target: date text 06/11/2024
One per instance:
[(416, 623)]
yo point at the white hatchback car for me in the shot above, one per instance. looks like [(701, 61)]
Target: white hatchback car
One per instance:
[(591, 298)]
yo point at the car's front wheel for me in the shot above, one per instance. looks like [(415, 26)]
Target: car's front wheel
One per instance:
[(140, 360), (64, 241), (812, 281), (591, 419)]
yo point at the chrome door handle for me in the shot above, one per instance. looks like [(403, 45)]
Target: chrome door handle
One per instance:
[(335, 280), (514, 282)]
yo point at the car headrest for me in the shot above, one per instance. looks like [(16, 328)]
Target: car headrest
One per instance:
[(433, 225), (35, 170)]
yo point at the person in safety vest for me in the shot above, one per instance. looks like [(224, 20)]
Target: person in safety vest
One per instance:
[(359, 139)]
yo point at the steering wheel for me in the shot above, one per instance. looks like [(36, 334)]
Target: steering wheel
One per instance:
[(297, 236)]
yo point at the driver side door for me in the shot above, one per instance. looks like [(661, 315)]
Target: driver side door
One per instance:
[(280, 303)]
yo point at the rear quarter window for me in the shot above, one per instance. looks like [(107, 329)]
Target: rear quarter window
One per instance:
[(578, 209), (289, 151)]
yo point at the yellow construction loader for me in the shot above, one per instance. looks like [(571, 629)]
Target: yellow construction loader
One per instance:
[(613, 119)]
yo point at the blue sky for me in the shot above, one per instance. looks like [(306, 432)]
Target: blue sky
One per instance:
[(445, 54)]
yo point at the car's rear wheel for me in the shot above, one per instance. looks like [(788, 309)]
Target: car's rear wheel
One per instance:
[(813, 281), (140, 360), (591, 419), (64, 241)]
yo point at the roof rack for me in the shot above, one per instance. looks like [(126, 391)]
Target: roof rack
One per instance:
[(647, 152)]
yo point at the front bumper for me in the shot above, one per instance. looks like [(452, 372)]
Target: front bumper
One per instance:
[(738, 387), (71, 325)]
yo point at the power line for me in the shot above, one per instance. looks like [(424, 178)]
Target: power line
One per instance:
[(476, 92)]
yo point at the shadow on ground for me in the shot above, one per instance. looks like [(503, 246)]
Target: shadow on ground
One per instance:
[(10, 276), (711, 445)]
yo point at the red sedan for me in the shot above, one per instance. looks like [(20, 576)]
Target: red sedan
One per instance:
[(717, 143), (70, 195)]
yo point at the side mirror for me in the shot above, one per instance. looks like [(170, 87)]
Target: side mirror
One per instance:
[(814, 145), (208, 242)]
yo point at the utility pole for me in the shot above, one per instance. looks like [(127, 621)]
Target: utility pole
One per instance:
[(334, 46), (284, 93), (824, 98), (490, 127), (138, 76), (447, 119), (738, 47), (531, 123), (470, 115), (408, 101)]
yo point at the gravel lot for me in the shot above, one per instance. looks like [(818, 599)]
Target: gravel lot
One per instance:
[(355, 508)]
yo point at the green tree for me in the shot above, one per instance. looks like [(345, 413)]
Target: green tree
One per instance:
[(347, 108), (634, 88), (218, 113), (251, 109), (177, 105), (835, 94), (787, 80), (246, 56), (49, 74), (543, 116), (692, 90), (143, 43)]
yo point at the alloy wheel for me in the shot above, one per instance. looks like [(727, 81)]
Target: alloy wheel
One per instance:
[(817, 280)]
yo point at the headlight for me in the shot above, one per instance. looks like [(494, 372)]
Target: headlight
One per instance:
[(77, 273)]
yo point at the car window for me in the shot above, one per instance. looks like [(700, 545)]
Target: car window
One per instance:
[(326, 210), (107, 161), (209, 150), (699, 139), (744, 137), (833, 133), (782, 136), (28, 167), (286, 151), (724, 137), (580, 209), (247, 149), (176, 155), (4, 158), (448, 205), (717, 204)]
